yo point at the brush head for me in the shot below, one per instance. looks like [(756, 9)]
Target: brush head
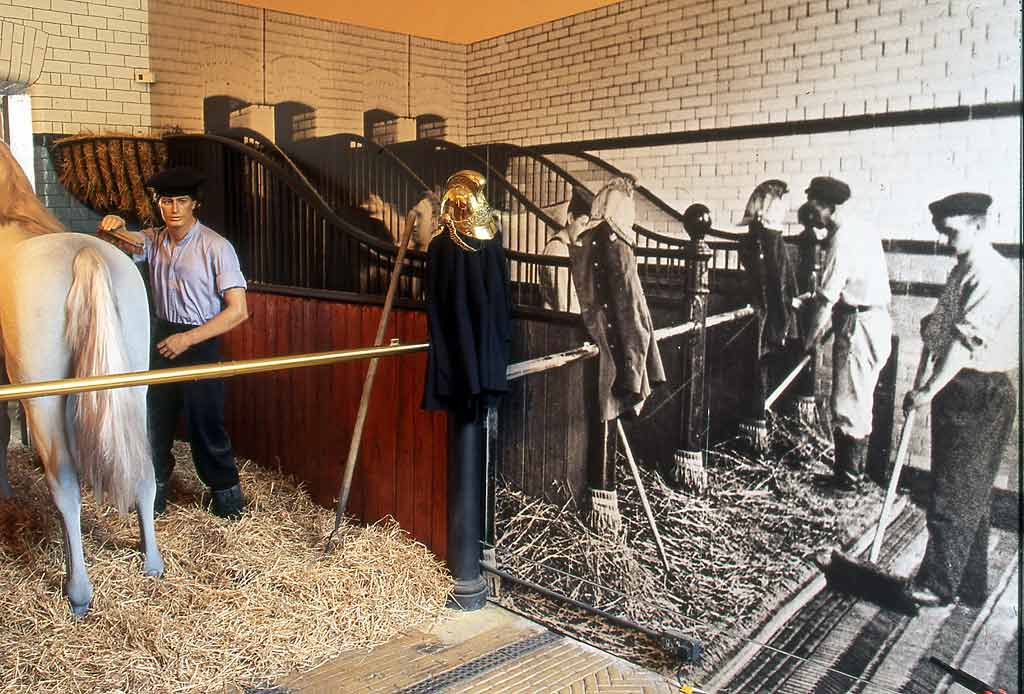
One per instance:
[(868, 581)]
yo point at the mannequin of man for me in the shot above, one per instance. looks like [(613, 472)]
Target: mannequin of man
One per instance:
[(198, 295)]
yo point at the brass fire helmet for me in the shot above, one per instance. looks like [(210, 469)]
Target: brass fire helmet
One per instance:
[(464, 206)]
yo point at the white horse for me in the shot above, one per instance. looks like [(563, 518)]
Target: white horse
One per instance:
[(72, 305)]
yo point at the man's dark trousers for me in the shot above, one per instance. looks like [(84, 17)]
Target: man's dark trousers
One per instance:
[(203, 405)]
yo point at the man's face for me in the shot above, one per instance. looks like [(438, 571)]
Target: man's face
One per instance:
[(177, 210), (821, 213), (960, 231), (575, 223)]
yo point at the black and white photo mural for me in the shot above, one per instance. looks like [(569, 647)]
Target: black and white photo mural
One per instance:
[(808, 349)]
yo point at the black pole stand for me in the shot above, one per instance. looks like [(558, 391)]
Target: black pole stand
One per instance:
[(465, 509)]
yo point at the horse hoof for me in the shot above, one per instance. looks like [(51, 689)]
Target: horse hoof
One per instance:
[(154, 570), (79, 610)]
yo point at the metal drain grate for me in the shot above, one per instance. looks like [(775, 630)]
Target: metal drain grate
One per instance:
[(479, 666)]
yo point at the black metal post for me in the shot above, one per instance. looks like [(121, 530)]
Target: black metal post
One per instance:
[(688, 462), (806, 386), (465, 508), (754, 427)]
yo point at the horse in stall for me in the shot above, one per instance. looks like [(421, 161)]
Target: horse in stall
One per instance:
[(75, 306)]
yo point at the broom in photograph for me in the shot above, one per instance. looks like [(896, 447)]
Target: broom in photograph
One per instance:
[(866, 579)]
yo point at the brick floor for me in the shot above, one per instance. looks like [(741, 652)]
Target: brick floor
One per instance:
[(478, 653)]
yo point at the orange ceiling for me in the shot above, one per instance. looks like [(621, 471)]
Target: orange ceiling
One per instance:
[(457, 21)]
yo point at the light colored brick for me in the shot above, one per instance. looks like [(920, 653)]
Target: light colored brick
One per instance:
[(87, 45), (51, 16), (69, 6), (85, 93), (94, 22)]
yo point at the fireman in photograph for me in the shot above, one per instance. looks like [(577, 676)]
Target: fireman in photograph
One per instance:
[(971, 342), (557, 291), (854, 296)]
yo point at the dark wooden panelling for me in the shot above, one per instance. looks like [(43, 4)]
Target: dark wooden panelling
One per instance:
[(302, 419)]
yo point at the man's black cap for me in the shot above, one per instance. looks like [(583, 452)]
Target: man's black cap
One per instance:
[(179, 180), (961, 203), (806, 215), (828, 190)]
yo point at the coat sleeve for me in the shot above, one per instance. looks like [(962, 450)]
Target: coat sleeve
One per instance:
[(437, 384)]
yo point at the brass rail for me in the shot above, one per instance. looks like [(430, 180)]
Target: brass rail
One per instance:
[(244, 367), (39, 389)]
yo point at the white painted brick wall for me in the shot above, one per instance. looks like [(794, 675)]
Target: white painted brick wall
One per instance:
[(93, 49), (900, 54)]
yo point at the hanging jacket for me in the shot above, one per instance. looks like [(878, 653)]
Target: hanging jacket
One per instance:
[(771, 280), (615, 313), (469, 319)]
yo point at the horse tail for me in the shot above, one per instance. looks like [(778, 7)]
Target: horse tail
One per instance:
[(111, 440)]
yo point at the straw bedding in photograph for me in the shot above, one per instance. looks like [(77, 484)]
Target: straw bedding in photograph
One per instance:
[(241, 604), (737, 552)]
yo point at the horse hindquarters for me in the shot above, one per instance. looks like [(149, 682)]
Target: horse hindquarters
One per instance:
[(110, 430), (110, 436)]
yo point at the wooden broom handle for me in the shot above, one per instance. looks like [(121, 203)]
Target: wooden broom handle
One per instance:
[(894, 480), (371, 372)]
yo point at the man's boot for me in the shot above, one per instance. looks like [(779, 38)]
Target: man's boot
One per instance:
[(858, 462), (160, 500), (228, 503), (851, 461)]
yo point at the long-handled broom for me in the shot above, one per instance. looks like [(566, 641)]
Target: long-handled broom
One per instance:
[(795, 371), (866, 579)]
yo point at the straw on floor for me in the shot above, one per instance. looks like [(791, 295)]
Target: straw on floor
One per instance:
[(241, 603)]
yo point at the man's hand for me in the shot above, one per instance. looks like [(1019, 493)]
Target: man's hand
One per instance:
[(919, 397), (111, 223), (112, 229), (174, 345)]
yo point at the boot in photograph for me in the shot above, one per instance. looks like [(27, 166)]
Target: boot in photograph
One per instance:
[(855, 474)]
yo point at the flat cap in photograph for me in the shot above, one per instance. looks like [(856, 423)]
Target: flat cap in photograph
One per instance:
[(178, 180), (828, 190), (961, 203), (805, 215)]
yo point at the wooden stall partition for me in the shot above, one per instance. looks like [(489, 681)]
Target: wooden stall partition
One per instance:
[(543, 428), (301, 420), (542, 424)]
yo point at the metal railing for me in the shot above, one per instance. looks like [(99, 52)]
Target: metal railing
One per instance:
[(284, 230), (295, 221), (348, 169), (244, 367)]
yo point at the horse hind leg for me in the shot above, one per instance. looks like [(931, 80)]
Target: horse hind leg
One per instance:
[(47, 420), (145, 493)]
